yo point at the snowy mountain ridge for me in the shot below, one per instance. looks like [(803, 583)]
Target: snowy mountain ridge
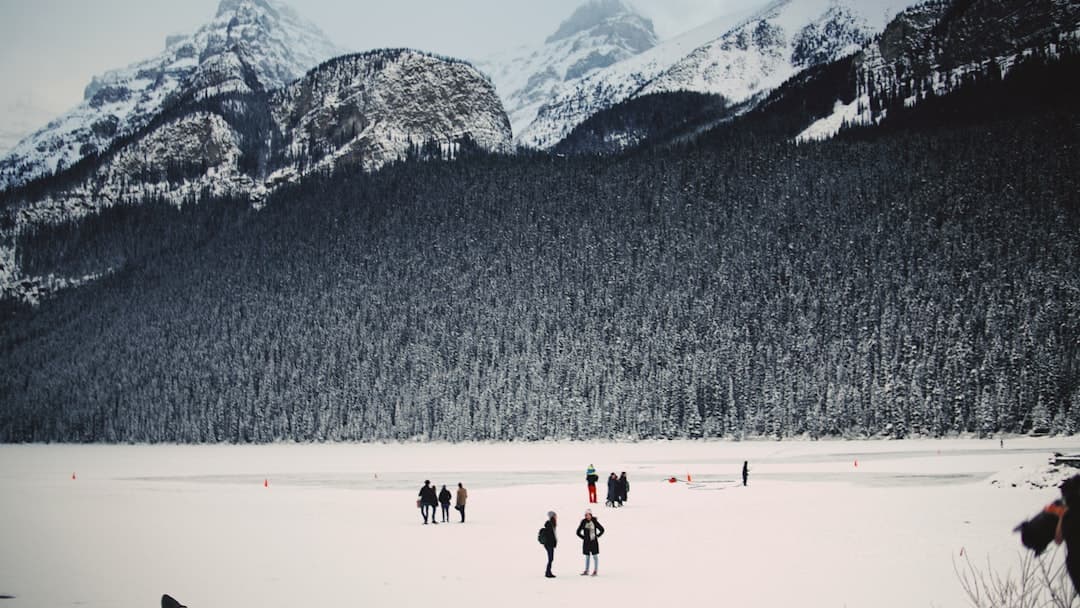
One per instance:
[(248, 45), (598, 34), (738, 56), (363, 110)]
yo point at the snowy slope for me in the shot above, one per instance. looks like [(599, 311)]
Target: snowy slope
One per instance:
[(933, 48), (599, 33), (249, 44), (738, 56)]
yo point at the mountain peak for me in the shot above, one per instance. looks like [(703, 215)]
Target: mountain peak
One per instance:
[(226, 7), (596, 13)]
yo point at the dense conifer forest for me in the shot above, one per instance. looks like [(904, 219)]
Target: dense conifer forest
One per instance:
[(922, 280)]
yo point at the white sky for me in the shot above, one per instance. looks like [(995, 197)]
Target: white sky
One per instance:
[(49, 49)]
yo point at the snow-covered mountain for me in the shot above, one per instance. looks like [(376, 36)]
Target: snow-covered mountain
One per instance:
[(362, 110), (249, 45), (368, 109), (737, 56), (598, 34)]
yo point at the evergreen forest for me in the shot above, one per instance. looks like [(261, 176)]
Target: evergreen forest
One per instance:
[(891, 282)]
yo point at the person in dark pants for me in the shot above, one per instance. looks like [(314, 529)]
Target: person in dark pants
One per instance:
[(428, 501), (550, 542), (624, 488), (462, 496), (444, 501), (590, 479), (745, 471), (612, 491), (590, 531)]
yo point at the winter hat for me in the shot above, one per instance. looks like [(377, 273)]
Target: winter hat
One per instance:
[(588, 511), (551, 514)]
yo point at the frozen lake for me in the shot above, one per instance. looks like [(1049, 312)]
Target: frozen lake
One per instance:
[(830, 523)]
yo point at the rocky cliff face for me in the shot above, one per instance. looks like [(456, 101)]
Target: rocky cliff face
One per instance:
[(250, 45), (368, 109)]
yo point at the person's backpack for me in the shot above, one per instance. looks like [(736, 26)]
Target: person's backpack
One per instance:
[(542, 536)]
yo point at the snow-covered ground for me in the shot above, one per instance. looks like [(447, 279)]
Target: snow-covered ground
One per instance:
[(828, 523)]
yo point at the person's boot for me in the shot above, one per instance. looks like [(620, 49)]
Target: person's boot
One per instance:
[(594, 572)]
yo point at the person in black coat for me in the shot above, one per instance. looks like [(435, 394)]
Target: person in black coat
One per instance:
[(590, 531), (1068, 528), (550, 541), (624, 488), (612, 491), (444, 500), (745, 471), (428, 501)]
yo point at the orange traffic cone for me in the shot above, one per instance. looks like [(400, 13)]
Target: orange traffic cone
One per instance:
[(266, 483), (688, 477), (856, 464)]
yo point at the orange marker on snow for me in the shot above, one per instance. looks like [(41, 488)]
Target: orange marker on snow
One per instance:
[(688, 477), (73, 476), (856, 464), (266, 483)]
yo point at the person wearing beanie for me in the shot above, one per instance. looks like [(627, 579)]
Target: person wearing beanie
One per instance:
[(590, 531), (550, 541), (590, 479)]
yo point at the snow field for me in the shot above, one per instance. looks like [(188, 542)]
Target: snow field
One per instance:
[(338, 523)]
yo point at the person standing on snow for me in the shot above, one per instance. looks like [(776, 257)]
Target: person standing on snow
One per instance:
[(462, 495), (612, 490), (590, 531), (428, 500), (624, 488), (591, 478), (550, 541), (444, 501), (745, 472)]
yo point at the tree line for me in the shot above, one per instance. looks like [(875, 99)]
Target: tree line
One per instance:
[(922, 281)]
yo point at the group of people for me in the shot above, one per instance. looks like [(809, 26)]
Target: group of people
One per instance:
[(429, 501), (617, 487)]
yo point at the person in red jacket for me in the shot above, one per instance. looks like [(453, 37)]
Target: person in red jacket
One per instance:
[(591, 478)]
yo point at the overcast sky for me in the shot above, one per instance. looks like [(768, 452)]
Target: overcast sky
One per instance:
[(49, 49)]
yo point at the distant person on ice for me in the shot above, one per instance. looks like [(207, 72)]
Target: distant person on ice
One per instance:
[(624, 488), (444, 501), (612, 490), (591, 478), (590, 531), (428, 501), (550, 540), (745, 472), (459, 504)]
